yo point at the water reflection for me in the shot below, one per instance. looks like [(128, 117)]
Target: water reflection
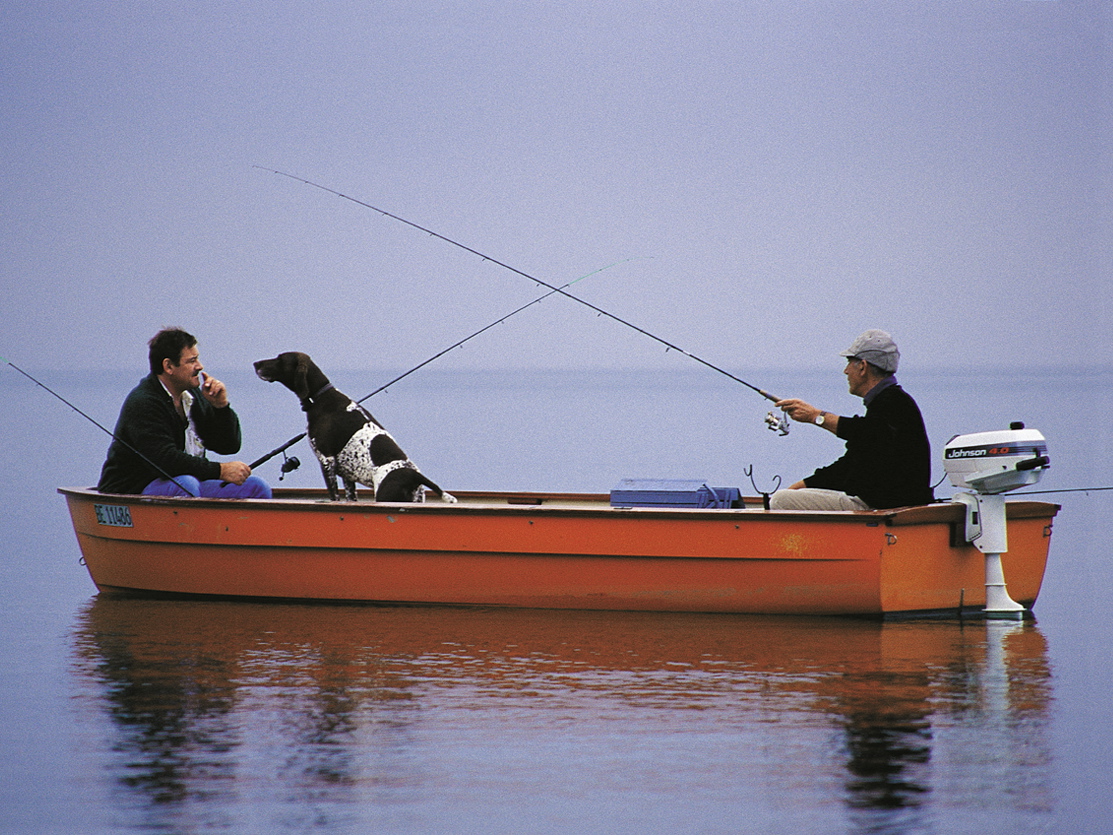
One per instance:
[(298, 712)]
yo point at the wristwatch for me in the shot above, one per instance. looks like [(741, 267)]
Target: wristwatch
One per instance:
[(822, 416)]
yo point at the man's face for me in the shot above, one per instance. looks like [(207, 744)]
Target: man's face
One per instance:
[(183, 375), (856, 376)]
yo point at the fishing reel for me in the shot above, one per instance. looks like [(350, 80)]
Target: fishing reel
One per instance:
[(777, 422), (288, 465)]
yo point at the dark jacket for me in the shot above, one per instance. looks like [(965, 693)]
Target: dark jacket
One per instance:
[(888, 455), (150, 423)]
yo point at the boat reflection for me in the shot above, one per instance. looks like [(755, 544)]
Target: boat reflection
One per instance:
[(337, 700)]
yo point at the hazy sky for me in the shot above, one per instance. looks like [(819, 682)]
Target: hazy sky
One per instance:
[(782, 175)]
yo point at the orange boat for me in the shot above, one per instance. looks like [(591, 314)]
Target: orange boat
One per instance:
[(560, 551)]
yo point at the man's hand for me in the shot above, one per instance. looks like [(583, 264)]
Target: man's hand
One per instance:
[(807, 413), (798, 410), (234, 472), (214, 391)]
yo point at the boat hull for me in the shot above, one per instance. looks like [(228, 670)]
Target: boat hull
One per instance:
[(552, 551)]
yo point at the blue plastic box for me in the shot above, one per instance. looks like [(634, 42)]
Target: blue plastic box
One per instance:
[(673, 492)]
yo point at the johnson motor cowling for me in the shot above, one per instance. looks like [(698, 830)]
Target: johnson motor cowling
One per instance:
[(996, 462), (990, 464)]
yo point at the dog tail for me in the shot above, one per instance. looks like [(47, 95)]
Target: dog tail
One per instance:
[(443, 495), (403, 485)]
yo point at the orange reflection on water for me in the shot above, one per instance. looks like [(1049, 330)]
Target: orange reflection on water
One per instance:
[(218, 703)]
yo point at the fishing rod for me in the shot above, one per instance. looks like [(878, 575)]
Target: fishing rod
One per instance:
[(668, 345), (1063, 490), (455, 345), (438, 355), (287, 465), (108, 432)]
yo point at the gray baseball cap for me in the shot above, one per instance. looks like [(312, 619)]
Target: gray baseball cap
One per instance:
[(875, 347)]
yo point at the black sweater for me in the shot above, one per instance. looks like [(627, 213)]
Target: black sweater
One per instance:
[(150, 423), (888, 455)]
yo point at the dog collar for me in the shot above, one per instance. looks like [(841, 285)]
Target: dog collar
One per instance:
[(308, 401)]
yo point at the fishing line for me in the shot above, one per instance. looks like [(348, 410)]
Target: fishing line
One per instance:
[(440, 354), (385, 386), (1064, 490), (668, 345), (108, 432)]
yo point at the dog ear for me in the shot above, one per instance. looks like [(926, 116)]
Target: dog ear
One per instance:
[(301, 384)]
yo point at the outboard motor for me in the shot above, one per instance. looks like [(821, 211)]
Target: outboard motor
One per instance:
[(990, 464)]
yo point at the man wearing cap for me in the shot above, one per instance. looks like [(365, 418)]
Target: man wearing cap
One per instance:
[(888, 455)]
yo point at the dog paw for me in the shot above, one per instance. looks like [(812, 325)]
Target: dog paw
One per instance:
[(448, 497)]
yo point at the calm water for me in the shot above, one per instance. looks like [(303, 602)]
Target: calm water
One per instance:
[(154, 716)]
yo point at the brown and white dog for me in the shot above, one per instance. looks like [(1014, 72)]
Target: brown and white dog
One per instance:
[(346, 439)]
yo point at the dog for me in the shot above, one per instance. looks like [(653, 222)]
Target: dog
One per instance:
[(346, 439)]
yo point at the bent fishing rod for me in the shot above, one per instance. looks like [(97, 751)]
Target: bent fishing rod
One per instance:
[(668, 345), (108, 432), (436, 356)]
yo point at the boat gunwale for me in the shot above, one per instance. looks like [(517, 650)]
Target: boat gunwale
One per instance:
[(572, 504)]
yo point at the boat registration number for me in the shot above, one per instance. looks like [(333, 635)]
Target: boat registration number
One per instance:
[(115, 515)]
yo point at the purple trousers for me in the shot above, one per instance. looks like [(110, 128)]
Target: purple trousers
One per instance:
[(253, 488)]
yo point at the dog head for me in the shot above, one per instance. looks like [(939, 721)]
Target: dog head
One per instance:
[(294, 370)]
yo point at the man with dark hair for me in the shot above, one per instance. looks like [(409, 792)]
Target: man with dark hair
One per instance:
[(166, 425), (888, 455)]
